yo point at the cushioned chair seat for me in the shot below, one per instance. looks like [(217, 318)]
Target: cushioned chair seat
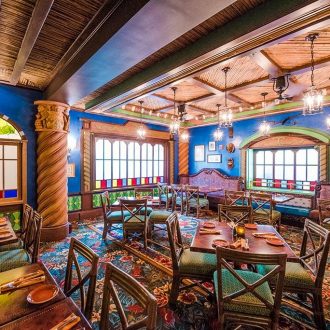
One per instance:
[(295, 275), (149, 210), (116, 215), (197, 263), (12, 246), (203, 202), (159, 216), (164, 197), (13, 259), (247, 303), (262, 216)]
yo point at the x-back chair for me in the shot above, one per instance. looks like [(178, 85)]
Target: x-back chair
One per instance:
[(194, 201), (178, 192), (235, 213), (164, 194), (233, 197)]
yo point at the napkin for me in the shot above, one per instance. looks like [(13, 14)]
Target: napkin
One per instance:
[(67, 323), (209, 232), (236, 244), (264, 235)]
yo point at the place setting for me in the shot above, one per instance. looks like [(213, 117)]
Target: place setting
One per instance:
[(208, 228)]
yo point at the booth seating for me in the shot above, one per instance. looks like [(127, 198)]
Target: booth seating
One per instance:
[(213, 179), (322, 193)]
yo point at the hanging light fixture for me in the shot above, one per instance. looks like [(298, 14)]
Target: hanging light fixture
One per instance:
[(141, 132), (226, 115), (175, 124), (264, 127), (280, 85), (313, 98), (184, 136), (218, 133)]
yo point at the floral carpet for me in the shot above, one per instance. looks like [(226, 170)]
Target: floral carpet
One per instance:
[(152, 268)]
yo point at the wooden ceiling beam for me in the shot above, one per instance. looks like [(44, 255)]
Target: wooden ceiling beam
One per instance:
[(266, 63), (201, 110), (37, 20)]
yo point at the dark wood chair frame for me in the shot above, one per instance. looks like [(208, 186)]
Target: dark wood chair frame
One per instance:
[(87, 302), (178, 191), (224, 258), (233, 196), (26, 218), (135, 207), (163, 189), (31, 240), (323, 205), (130, 285), (235, 213), (145, 192), (177, 247), (192, 192)]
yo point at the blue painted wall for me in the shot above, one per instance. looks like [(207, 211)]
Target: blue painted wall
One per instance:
[(242, 130)]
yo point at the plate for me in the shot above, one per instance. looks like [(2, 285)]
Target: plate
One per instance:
[(209, 225), (42, 294), (275, 241), (250, 226), (220, 242), (5, 236)]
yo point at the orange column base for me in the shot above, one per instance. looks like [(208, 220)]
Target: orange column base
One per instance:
[(51, 234)]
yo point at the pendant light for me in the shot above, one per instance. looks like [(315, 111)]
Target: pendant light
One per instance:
[(184, 136), (141, 132), (226, 115), (313, 98), (264, 127), (175, 124), (218, 133)]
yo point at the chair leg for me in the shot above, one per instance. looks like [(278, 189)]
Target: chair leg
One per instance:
[(174, 290), (318, 311), (105, 231)]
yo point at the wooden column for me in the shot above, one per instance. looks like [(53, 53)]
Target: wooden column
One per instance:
[(183, 157), (52, 123)]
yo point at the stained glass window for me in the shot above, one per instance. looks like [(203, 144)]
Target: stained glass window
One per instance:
[(125, 163)]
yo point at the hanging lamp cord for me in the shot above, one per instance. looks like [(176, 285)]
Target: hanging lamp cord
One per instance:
[(312, 60)]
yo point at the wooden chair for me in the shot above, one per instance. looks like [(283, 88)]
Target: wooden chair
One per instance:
[(245, 297), (79, 250), (324, 210), (263, 209), (178, 192), (185, 263), (194, 201), (136, 220), (30, 252), (147, 193), (164, 195), (313, 261), (235, 214), (110, 216), (115, 276), (26, 218), (233, 197)]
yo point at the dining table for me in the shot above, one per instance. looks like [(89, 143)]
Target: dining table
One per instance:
[(7, 233), (204, 242)]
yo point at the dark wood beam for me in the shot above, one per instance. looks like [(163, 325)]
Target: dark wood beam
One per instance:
[(37, 20)]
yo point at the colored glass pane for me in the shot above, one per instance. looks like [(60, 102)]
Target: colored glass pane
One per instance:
[(10, 193), (103, 183), (114, 183), (98, 184), (108, 183), (129, 182)]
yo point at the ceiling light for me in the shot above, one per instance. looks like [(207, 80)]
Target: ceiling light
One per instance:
[(313, 98), (264, 127), (141, 132), (226, 115), (218, 133), (280, 85), (175, 124), (184, 136)]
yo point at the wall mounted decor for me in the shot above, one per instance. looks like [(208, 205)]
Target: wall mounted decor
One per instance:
[(71, 170), (230, 163), (231, 132), (221, 146), (199, 153), (214, 158), (212, 146), (230, 147)]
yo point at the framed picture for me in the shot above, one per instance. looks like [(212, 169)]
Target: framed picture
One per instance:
[(199, 153), (212, 146), (214, 158), (71, 169), (221, 146)]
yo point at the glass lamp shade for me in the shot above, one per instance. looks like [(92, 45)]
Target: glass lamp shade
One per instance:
[(313, 101), (226, 118), (141, 132), (264, 128), (328, 122), (175, 126), (218, 134), (184, 137)]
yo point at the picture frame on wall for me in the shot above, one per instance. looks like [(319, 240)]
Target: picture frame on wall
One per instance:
[(214, 158), (199, 153), (71, 170), (212, 146)]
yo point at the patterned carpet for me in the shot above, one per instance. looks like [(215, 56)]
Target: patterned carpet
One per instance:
[(152, 269)]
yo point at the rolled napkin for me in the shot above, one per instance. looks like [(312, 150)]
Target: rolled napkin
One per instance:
[(67, 323), (209, 232), (236, 244), (264, 235)]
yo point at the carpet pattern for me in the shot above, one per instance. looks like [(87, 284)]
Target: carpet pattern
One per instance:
[(152, 268)]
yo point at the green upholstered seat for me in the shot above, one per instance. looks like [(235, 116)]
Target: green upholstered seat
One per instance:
[(12, 246), (135, 219), (116, 215), (247, 303), (13, 259), (159, 216), (295, 275), (262, 216), (165, 197), (203, 202), (197, 263), (149, 210)]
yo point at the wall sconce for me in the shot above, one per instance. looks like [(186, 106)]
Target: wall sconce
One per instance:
[(72, 144)]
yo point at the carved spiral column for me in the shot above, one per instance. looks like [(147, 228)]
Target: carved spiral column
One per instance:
[(52, 123)]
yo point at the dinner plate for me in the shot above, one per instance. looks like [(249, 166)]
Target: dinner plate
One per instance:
[(220, 242), (42, 294), (5, 236), (250, 226), (275, 241), (209, 224)]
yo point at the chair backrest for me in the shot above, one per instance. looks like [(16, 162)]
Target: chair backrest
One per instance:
[(115, 276), (105, 202), (26, 218), (263, 203), (76, 250), (233, 197), (235, 213), (314, 250), (144, 192), (162, 189), (323, 205), (31, 240), (136, 209), (192, 192), (178, 191), (225, 257), (175, 239)]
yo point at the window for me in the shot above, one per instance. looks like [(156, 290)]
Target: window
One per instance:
[(286, 168), (125, 163)]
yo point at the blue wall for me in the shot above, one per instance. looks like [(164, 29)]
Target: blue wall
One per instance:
[(242, 130)]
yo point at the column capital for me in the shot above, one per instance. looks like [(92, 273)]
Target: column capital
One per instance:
[(52, 116)]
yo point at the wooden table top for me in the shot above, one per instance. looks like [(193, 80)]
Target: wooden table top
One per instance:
[(13, 304), (13, 238), (203, 243), (49, 316)]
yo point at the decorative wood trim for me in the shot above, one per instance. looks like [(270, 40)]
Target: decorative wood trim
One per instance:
[(171, 162), (323, 162), (243, 164), (86, 160), (183, 157)]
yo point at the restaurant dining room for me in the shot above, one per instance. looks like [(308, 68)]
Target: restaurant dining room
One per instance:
[(164, 164)]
